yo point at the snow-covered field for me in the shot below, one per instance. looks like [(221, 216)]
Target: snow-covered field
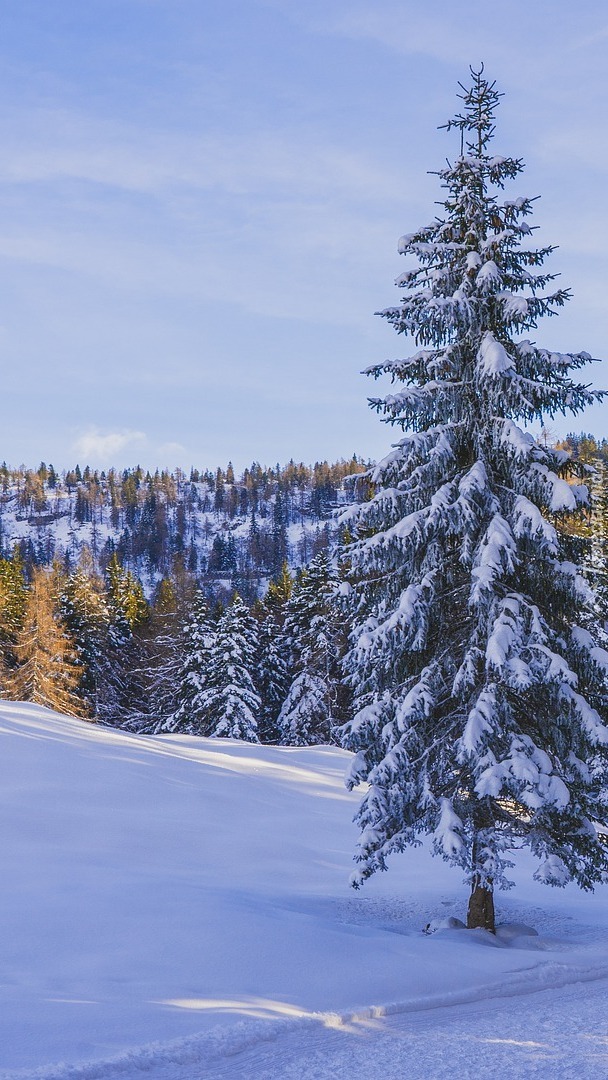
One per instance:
[(179, 908)]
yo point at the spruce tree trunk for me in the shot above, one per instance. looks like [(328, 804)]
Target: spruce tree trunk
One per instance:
[(481, 907)]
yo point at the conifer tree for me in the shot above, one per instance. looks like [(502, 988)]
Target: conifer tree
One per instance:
[(48, 671), (149, 664), (479, 678), (272, 670), (229, 700), (85, 610), (279, 543), (128, 605), (120, 701), (13, 600), (308, 712), (191, 664)]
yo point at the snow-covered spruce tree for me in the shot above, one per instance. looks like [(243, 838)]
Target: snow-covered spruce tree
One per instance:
[(229, 701), (127, 603), (272, 667), (156, 654), (192, 653), (480, 689), (308, 714), (85, 613)]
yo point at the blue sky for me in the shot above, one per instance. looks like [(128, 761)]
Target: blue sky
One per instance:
[(200, 204)]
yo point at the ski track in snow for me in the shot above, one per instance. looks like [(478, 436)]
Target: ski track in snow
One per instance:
[(511, 1029), (554, 1034)]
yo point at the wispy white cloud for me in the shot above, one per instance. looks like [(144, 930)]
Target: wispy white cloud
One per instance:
[(522, 41), (172, 453), (438, 30), (263, 213), (94, 446), (574, 143), (44, 145), (181, 214)]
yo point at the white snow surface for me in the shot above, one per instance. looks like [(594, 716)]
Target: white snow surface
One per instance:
[(179, 908)]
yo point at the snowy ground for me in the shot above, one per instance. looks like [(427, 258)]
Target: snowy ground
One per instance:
[(180, 907)]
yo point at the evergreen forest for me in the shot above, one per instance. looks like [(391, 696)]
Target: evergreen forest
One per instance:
[(123, 593)]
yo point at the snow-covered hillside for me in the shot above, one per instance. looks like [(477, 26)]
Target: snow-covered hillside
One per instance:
[(181, 906), (224, 528)]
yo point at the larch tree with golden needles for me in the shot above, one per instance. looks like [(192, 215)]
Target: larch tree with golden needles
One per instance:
[(47, 672)]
